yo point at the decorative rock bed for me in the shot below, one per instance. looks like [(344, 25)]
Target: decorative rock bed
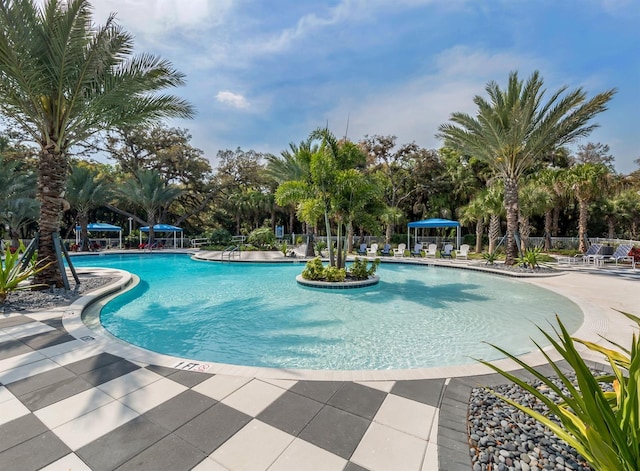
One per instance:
[(502, 438), (347, 284)]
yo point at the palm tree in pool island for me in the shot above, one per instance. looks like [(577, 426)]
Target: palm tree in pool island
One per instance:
[(516, 127), (62, 80)]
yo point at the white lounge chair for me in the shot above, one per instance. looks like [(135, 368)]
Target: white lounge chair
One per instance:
[(399, 252), (463, 252), (432, 251), (594, 249), (372, 251), (621, 254)]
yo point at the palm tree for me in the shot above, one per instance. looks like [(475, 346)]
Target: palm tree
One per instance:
[(475, 213), (586, 182), (18, 207), (62, 80), (86, 190), (535, 200), (150, 192), (514, 129)]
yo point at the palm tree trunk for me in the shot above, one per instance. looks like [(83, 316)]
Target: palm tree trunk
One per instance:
[(387, 235), (583, 218), (84, 233), (52, 170), (327, 225), (525, 231), (548, 221), (349, 237), (512, 209), (494, 232), (555, 226), (479, 233)]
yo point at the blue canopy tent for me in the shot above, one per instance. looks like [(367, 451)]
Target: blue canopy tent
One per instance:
[(430, 224), (165, 228), (100, 227)]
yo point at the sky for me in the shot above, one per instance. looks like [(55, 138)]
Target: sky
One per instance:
[(263, 74)]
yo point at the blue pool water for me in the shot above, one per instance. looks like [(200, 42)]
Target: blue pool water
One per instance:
[(256, 314)]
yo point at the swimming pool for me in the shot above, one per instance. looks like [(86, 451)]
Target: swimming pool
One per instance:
[(256, 314)]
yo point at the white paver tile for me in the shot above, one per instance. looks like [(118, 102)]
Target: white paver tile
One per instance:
[(72, 407), (253, 397), (5, 395), (303, 455), (71, 462), (21, 372), (382, 448), (85, 351), (20, 360), (406, 415), (384, 386), (255, 446), (11, 409), (209, 465), (281, 383), (220, 386), (25, 330), (152, 395), (125, 384), (431, 456), (61, 348), (95, 424)]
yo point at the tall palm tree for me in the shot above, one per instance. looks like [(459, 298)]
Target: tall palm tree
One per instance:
[(18, 206), (586, 182), (150, 192), (86, 190), (62, 80), (535, 200), (515, 128)]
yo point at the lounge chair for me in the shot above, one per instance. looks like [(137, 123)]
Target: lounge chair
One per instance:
[(463, 252), (399, 252), (417, 251), (432, 251), (373, 251), (594, 249), (386, 250), (447, 251), (621, 254), (363, 249)]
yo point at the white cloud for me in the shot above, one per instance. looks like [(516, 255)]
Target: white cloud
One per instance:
[(232, 99), (413, 110)]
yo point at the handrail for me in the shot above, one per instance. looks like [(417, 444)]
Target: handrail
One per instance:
[(230, 251)]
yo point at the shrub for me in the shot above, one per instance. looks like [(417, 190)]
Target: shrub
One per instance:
[(530, 258), (334, 274), (360, 271), (262, 237), (314, 270), (220, 236), (490, 257), (12, 274), (635, 253), (602, 426), (299, 240)]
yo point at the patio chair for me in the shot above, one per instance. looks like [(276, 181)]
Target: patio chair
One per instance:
[(621, 254), (373, 251), (432, 251), (417, 251), (594, 249), (363, 249), (386, 250), (447, 251), (463, 252), (399, 252)]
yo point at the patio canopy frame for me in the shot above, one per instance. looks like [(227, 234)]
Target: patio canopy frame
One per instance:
[(100, 227), (166, 228), (433, 224)]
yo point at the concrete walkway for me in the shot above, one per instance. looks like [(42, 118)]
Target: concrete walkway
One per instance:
[(74, 398)]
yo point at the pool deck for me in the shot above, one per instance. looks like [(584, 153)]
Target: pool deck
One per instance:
[(74, 398)]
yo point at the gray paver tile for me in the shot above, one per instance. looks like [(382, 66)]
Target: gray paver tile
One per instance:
[(55, 392), (336, 431), (179, 410), (47, 339), (161, 370), (88, 364), (117, 447), (320, 391), (108, 372), (14, 320), (427, 391), (20, 430), (39, 381), (35, 453), (213, 427), (354, 467), (12, 348), (188, 378), (358, 399), (290, 412), (170, 453)]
